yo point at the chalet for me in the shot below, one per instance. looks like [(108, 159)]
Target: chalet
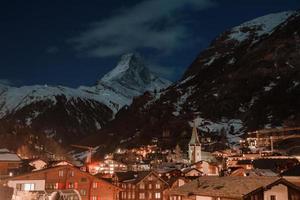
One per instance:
[(64, 177), (9, 163), (141, 185), (237, 188), (207, 168)]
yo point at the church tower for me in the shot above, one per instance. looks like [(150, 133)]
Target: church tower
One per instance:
[(194, 147)]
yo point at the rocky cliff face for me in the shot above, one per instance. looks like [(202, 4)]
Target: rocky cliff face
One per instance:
[(247, 79)]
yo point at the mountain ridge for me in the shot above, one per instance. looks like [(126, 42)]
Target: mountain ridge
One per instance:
[(232, 87)]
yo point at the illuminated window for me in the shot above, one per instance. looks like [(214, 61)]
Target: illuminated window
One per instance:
[(142, 195), (95, 185), (157, 186), (60, 173), (142, 186), (129, 195), (71, 173), (28, 186), (150, 195), (157, 195), (150, 186), (94, 198)]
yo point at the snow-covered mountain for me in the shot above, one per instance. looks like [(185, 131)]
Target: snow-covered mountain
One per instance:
[(62, 112), (247, 79)]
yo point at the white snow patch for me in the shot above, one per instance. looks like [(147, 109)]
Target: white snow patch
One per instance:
[(231, 61), (98, 126), (264, 25), (212, 59), (269, 87), (207, 125)]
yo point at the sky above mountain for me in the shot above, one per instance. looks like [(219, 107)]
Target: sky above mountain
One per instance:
[(76, 42)]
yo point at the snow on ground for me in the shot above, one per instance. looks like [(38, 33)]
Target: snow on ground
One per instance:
[(264, 25), (212, 59), (186, 80), (226, 124), (269, 87), (231, 61)]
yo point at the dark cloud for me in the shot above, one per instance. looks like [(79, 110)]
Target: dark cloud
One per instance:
[(153, 24)]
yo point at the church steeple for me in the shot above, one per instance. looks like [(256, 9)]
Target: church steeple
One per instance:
[(195, 138), (195, 146)]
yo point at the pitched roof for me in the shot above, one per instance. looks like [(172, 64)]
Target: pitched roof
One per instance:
[(6, 156), (135, 177), (132, 176), (223, 186), (194, 139)]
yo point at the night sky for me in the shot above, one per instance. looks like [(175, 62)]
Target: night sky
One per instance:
[(75, 42)]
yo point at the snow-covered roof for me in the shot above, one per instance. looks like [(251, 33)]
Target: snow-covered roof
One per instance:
[(7, 156)]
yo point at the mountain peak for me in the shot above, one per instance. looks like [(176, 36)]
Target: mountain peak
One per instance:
[(132, 73), (129, 61)]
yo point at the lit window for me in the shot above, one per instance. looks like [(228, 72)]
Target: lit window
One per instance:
[(142, 186), (157, 186), (71, 173), (157, 195), (142, 195), (150, 186), (150, 195), (28, 186), (94, 197), (60, 173), (95, 185), (129, 195)]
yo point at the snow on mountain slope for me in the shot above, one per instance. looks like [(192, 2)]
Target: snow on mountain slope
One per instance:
[(129, 79), (264, 25), (245, 83)]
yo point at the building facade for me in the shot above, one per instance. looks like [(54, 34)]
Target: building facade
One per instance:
[(65, 178), (141, 185)]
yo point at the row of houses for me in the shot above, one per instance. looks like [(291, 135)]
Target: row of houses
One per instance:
[(188, 184)]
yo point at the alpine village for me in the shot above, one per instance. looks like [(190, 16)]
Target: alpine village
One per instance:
[(228, 129)]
